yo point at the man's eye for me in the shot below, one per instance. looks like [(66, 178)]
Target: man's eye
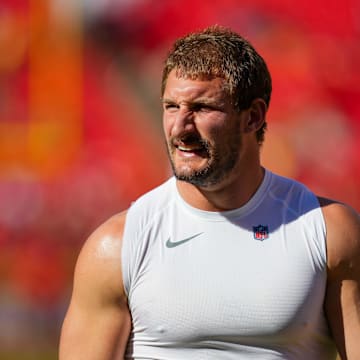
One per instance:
[(202, 107), (170, 106)]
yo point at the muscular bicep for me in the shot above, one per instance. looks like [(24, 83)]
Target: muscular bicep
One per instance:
[(97, 323), (342, 303), (94, 334)]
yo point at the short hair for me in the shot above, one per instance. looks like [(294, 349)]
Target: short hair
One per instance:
[(220, 52)]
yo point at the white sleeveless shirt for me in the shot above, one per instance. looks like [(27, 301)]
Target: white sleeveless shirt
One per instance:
[(242, 284)]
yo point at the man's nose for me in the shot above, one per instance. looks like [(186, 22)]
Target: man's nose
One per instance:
[(183, 122)]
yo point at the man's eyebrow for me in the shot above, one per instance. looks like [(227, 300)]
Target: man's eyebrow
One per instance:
[(209, 101), (164, 100), (203, 101), (195, 101)]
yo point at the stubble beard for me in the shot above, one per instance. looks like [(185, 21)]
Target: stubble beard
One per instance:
[(216, 170)]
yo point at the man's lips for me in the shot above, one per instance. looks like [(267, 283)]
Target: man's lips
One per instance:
[(191, 147)]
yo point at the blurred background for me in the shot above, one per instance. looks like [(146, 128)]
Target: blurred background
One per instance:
[(80, 125)]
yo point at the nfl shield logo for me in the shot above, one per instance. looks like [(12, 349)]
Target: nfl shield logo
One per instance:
[(261, 232)]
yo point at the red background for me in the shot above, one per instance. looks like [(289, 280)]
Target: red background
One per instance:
[(80, 125)]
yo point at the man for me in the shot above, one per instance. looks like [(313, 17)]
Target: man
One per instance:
[(225, 260)]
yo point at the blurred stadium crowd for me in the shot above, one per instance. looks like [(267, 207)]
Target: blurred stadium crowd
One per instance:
[(80, 125)]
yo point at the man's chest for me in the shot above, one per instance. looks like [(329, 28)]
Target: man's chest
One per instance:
[(226, 282)]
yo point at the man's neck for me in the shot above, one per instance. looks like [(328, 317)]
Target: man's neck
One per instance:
[(230, 194)]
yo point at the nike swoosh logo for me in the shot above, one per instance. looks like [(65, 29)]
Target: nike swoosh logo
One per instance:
[(171, 244)]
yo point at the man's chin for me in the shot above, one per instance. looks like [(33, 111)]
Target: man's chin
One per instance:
[(200, 179), (184, 176), (187, 173), (199, 175)]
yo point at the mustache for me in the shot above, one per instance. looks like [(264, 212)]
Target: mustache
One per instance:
[(190, 139)]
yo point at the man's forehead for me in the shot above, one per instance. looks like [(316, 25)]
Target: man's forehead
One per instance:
[(200, 79), (182, 88)]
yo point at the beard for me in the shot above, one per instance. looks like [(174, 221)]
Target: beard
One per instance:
[(221, 160)]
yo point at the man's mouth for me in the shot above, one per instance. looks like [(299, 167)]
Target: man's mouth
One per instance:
[(191, 145), (189, 148)]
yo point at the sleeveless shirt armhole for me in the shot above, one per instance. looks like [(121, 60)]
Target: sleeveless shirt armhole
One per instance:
[(321, 232), (315, 219), (126, 255)]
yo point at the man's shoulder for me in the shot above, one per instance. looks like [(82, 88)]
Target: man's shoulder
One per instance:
[(107, 237), (111, 227), (105, 241), (293, 194), (287, 183), (155, 200), (114, 226), (343, 232), (339, 216)]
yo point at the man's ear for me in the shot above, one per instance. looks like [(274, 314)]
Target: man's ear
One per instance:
[(256, 115)]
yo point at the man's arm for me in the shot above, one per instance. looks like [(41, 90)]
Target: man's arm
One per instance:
[(97, 324), (342, 303)]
